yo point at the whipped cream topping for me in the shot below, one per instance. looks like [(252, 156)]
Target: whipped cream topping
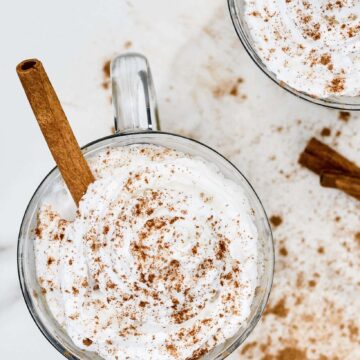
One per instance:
[(159, 261), (313, 46)]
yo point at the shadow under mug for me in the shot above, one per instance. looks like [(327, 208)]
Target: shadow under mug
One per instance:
[(136, 122)]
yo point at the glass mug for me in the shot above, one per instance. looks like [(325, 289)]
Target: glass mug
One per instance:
[(136, 122), (237, 12)]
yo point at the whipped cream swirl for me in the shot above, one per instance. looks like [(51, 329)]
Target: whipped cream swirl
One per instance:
[(313, 46), (160, 261)]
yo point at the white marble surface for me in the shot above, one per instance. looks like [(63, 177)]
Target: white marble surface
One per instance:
[(196, 60)]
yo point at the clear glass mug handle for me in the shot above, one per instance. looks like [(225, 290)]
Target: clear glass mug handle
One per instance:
[(133, 94)]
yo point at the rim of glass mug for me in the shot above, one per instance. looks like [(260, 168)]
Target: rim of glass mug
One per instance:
[(131, 122), (236, 9)]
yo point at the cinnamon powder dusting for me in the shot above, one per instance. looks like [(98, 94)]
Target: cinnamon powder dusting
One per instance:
[(279, 309), (337, 85), (325, 131), (344, 116), (87, 342), (106, 74)]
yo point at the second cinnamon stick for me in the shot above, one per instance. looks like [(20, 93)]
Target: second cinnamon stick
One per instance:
[(329, 158), (347, 183)]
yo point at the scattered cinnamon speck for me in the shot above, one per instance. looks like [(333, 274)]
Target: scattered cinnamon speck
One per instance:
[(344, 116), (325, 59), (291, 353), (171, 349), (143, 303), (283, 251), (325, 131), (321, 250), (106, 74), (279, 309), (357, 237), (197, 354), (353, 330), (106, 69), (234, 91), (75, 291), (87, 342), (229, 87), (337, 84), (248, 347), (38, 232), (127, 44), (276, 220)]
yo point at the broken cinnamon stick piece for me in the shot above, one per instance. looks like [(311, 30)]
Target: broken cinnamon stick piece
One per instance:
[(345, 182), (330, 157), (55, 127), (313, 163)]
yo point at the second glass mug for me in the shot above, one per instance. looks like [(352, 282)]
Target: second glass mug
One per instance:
[(136, 122), (237, 12)]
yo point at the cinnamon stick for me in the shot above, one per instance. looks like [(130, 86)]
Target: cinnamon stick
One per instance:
[(345, 182), (313, 163), (55, 127), (330, 158)]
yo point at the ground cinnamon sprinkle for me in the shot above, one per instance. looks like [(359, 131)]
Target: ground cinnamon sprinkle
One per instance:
[(128, 44), (325, 59), (325, 132), (248, 347), (321, 250), (222, 248), (106, 73), (337, 85), (276, 220), (156, 223), (171, 349), (87, 342), (357, 238), (106, 69), (234, 91), (314, 31), (283, 251), (353, 330), (279, 309), (75, 290), (38, 232), (291, 353), (197, 354), (344, 116)]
